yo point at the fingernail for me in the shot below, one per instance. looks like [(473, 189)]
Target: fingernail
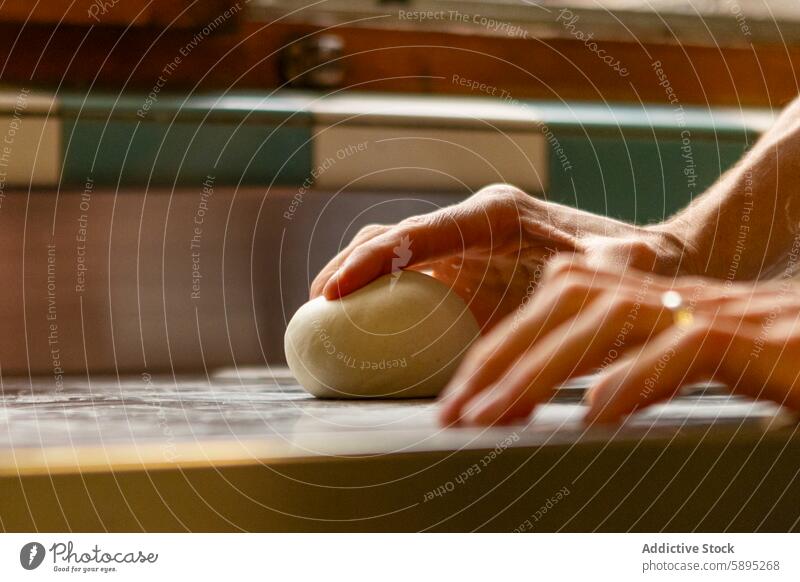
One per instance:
[(591, 416), (448, 415), (596, 407), (469, 418)]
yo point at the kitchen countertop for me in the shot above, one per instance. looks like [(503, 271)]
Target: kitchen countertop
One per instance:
[(267, 409), (259, 420)]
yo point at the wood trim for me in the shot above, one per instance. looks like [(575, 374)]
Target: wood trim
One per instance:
[(245, 56), (184, 13), (565, 69)]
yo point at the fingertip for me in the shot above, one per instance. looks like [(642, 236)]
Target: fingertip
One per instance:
[(333, 288), (598, 398), (317, 285), (352, 275), (444, 418), (487, 408), (331, 292), (483, 413), (450, 391), (604, 390), (454, 386), (607, 409), (448, 413), (496, 413), (480, 418), (452, 402)]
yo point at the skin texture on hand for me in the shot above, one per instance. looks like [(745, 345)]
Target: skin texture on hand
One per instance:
[(747, 225), (586, 318), (599, 305), (491, 249)]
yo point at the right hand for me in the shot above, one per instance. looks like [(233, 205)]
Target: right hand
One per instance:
[(490, 249)]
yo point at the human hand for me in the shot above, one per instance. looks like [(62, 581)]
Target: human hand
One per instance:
[(585, 318), (490, 249)]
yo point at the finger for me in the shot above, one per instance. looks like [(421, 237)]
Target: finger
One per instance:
[(647, 376), (499, 219), (676, 357), (322, 278), (567, 287), (414, 241), (589, 341), (765, 363), (756, 308), (488, 360), (645, 283)]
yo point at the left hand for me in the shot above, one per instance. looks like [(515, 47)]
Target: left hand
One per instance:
[(746, 335), (490, 249)]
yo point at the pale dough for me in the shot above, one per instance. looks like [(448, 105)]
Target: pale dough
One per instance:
[(401, 336)]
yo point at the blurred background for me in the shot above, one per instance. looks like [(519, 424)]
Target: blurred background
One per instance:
[(174, 173)]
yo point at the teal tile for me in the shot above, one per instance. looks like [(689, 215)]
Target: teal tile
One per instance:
[(661, 120), (127, 151), (288, 107), (639, 179)]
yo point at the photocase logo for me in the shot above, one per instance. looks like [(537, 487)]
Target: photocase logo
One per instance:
[(402, 257), (31, 555)]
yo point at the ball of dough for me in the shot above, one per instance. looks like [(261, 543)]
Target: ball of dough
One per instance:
[(401, 336)]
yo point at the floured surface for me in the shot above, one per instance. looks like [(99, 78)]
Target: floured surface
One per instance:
[(265, 414)]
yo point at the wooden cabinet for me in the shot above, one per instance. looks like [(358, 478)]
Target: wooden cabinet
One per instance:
[(172, 13)]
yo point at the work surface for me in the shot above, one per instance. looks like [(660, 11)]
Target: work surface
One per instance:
[(256, 452)]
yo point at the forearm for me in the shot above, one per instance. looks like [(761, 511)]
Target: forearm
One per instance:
[(744, 227)]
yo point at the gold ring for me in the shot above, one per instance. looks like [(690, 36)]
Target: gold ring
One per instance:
[(681, 314)]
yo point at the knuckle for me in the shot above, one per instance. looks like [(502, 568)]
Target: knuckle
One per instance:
[(504, 206), (503, 201), (558, 267), (703, 335), (415, 221), (575, 285), (479, 353), (371, 230), (718, 301), (622, 253), (364, 252), (641, 253), (501, 191), (424, 222), (698, 288), (697, 333), (618, 305)]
